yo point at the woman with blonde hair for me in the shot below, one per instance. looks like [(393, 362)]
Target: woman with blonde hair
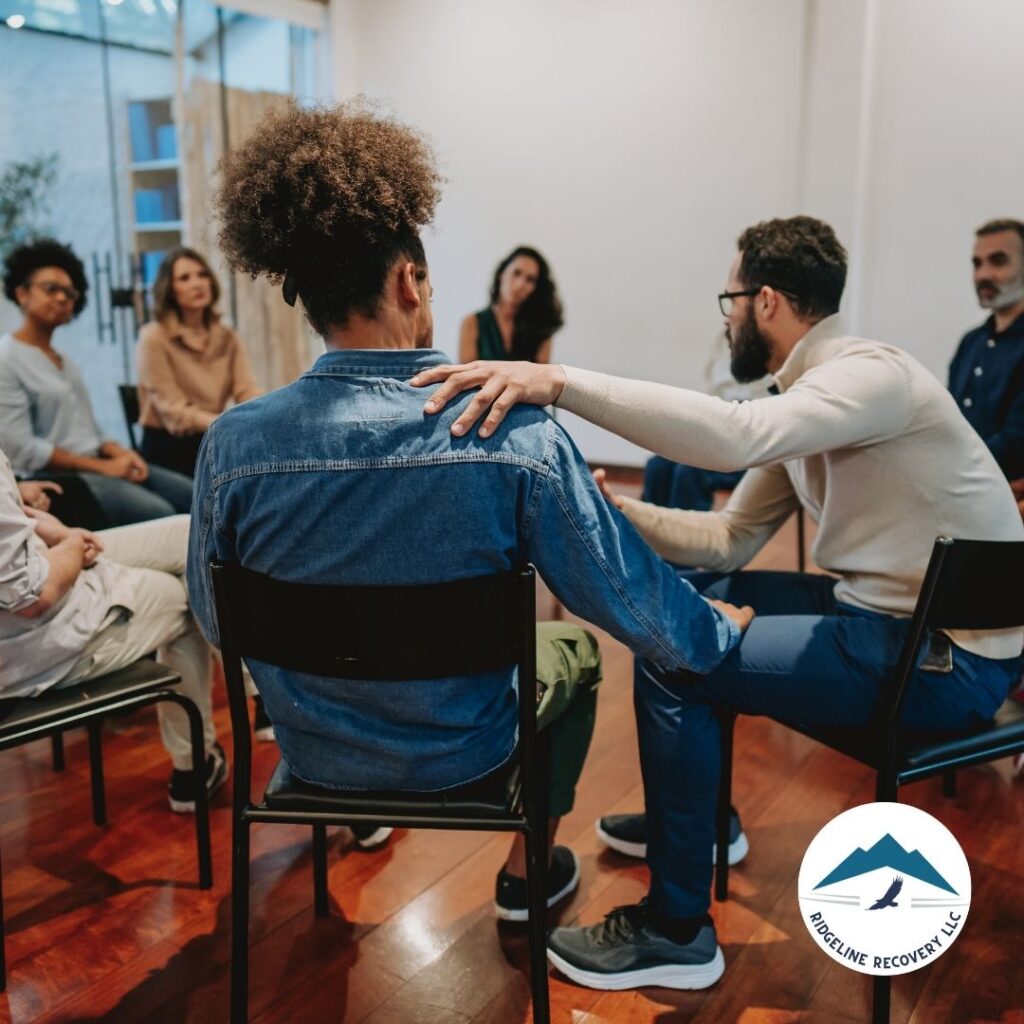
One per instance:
[(191, 365)]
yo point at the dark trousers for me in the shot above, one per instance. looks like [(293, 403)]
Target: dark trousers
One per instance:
[(177, 453), (77, 505), (806, 658), (676, 485)]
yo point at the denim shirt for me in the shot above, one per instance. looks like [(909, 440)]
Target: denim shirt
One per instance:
[(341, 477)]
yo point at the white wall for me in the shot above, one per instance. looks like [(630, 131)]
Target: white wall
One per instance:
[(625, 145), (632, 142)]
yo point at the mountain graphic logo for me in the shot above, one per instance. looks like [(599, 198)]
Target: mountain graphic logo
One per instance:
[(889, 905), (886, 853)]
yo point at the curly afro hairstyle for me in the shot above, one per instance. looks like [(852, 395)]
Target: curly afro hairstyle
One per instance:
[(23, 261), (541, 314), (800, 256), (329, 198)]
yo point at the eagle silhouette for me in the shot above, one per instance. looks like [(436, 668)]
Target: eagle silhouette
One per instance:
[(889, 899)]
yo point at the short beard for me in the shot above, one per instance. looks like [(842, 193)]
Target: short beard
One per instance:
[(751, 352), (1005, 297)]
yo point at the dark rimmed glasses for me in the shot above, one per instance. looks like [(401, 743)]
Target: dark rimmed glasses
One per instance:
[(51, 288), (725, 299)]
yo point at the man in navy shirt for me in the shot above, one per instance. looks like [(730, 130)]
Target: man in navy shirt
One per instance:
[(986, 376)]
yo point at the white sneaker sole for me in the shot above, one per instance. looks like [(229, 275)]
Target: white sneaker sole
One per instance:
[(189, 806), (509, 914), (738, 848), (265, 734), (375, 839), (666, 976)]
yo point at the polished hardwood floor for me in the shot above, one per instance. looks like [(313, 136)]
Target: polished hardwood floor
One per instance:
[(106, 924)]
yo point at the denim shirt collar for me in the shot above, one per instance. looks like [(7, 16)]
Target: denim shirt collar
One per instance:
[(400, 363)]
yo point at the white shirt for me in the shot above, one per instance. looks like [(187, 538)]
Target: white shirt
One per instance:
[(42, 407), (861, 435)]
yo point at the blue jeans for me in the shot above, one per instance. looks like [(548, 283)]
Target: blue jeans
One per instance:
[(805, 658), (676, 485), (162, 493)]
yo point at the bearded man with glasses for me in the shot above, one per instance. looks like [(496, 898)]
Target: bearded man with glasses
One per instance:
[(874, 448)]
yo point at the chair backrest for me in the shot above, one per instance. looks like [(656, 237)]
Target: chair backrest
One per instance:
[(969, 584), (974, 584), (431, 631), (130, 404)]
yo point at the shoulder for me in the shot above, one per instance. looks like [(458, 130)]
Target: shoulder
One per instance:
[(470, 322), (152, 334)]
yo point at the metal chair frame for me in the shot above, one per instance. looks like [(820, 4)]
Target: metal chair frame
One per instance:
[(86, 704), (343, 632), (969, 584)]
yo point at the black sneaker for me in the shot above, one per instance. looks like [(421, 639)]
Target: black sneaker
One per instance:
[(262, 726), (182, 790), (625, 951), (510, 892), (627, 833), (371, 837)]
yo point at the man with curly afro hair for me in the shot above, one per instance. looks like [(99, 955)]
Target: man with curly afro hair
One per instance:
[(339, 478), (46, 417)]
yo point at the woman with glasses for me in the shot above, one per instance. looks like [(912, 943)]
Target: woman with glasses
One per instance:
[(523, 314), (47, 423), (191, 365)]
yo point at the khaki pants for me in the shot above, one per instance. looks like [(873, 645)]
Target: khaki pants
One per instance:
[(154, 617)]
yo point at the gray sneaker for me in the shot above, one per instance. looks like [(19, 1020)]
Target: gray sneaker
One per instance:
[(627, 833), (624, 951)]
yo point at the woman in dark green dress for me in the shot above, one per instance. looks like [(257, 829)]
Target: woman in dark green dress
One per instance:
[(523, 316)]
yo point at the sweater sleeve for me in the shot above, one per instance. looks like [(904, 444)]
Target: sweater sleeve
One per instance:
[(859, 398), (178, 415), (723, 541)]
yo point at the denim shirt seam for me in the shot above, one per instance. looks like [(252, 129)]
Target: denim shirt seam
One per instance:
[(611, 576), (400, 462), (538, 486)]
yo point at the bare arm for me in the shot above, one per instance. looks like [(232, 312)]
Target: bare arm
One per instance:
[(543, 354), (66, 560)]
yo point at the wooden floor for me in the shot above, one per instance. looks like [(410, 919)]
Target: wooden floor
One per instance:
[(106, 924)]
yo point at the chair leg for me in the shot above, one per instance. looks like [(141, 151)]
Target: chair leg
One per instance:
[(3, 955), (320, 904), (881, 992), (801, 541), (195, 728), (536, 889), (949, 784), (240, 921), (99, 797), (57, 746), (726, 724)]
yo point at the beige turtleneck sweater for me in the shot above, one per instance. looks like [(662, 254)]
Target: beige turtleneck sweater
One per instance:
[(861, 435)]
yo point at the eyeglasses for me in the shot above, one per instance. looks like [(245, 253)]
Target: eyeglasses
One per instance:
[(53, 288), (725, 300)]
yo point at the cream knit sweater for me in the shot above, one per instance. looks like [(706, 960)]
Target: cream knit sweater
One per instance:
[(861, 435)]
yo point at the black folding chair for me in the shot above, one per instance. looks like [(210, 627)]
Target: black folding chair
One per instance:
[(129, 394), (146, 682), (969, 584), (385, 633)]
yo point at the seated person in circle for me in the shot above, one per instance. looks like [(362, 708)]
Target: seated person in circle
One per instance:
[(191, 365), (523, 315), (75, 605), (46, 418), (340, 478)]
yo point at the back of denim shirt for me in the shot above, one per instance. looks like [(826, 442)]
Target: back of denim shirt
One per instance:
[(341, 477)]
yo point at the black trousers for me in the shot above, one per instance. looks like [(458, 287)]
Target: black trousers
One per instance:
[(164, 449)]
